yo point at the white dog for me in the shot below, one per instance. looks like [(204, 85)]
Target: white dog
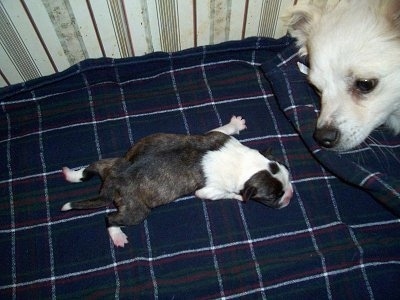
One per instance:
[(354, 54)]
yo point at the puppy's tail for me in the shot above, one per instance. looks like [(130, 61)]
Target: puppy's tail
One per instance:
[(101, 168), (74, 175), (86, 204)]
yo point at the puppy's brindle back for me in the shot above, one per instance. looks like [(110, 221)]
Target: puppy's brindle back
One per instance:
[(166, 166)]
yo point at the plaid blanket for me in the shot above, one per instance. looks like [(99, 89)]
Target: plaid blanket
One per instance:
[(339, 238)]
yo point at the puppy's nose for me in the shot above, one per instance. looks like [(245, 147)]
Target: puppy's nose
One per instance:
[(286, 198), (327, 136)]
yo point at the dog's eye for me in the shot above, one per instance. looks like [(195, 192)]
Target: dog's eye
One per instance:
[(366, 86)]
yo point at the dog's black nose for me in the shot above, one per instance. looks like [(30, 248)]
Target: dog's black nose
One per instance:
[(327, 136)]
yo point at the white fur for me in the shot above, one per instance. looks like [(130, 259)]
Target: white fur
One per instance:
[(73, 175), (227, 170), (117, 236), (352, 40), (235, 125), (66, 206)]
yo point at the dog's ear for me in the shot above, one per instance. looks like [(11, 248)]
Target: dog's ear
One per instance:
[(392, 11), (248, 192), (300, 19)]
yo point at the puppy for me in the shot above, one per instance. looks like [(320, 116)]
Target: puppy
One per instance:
[(353, 49), (163, 167)]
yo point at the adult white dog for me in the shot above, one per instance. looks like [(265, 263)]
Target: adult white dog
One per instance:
[(354, 54)]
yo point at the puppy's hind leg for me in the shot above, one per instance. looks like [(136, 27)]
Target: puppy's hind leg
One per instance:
[(118, 237), (123, 217), (86, 204), (236, 125), (100, 168)]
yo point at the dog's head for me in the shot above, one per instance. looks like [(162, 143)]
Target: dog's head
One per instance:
[(354, 53), (271, 187)]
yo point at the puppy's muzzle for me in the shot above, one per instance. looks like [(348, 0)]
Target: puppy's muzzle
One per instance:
[(327, 136), (285, 200)]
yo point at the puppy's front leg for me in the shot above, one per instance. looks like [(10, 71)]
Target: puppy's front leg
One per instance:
[(212, 193), (236, 125)]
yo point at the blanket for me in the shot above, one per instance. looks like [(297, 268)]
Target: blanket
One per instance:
[(338, 239)]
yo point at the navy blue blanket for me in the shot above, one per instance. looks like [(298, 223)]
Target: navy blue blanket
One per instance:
[(339, 238)]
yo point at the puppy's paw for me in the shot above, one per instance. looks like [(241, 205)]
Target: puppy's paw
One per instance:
[(208, 193), (239, 123), (201, 194), (117, 236), (66, 207)]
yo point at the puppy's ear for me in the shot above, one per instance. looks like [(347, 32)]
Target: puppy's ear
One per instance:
[(248, 192), (300, 19), (268, 154)]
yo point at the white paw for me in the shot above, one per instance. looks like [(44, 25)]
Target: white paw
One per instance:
[(210, 193), (66, 207), (117, 236), (200, 194), (239, 123)]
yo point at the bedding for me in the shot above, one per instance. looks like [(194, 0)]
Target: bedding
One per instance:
[(339, 237)]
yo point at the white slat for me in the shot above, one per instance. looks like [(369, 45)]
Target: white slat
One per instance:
[(137, 19), (186, 26), (46, 29), (105, 26), (86, 28), (32, 52)]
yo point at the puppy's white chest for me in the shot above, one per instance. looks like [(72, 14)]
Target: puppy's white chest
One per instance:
[(229, 167)]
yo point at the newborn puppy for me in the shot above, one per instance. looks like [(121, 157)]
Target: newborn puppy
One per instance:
[(163, 167)]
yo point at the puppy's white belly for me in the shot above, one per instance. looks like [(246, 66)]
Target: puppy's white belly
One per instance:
[(228, 168)]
